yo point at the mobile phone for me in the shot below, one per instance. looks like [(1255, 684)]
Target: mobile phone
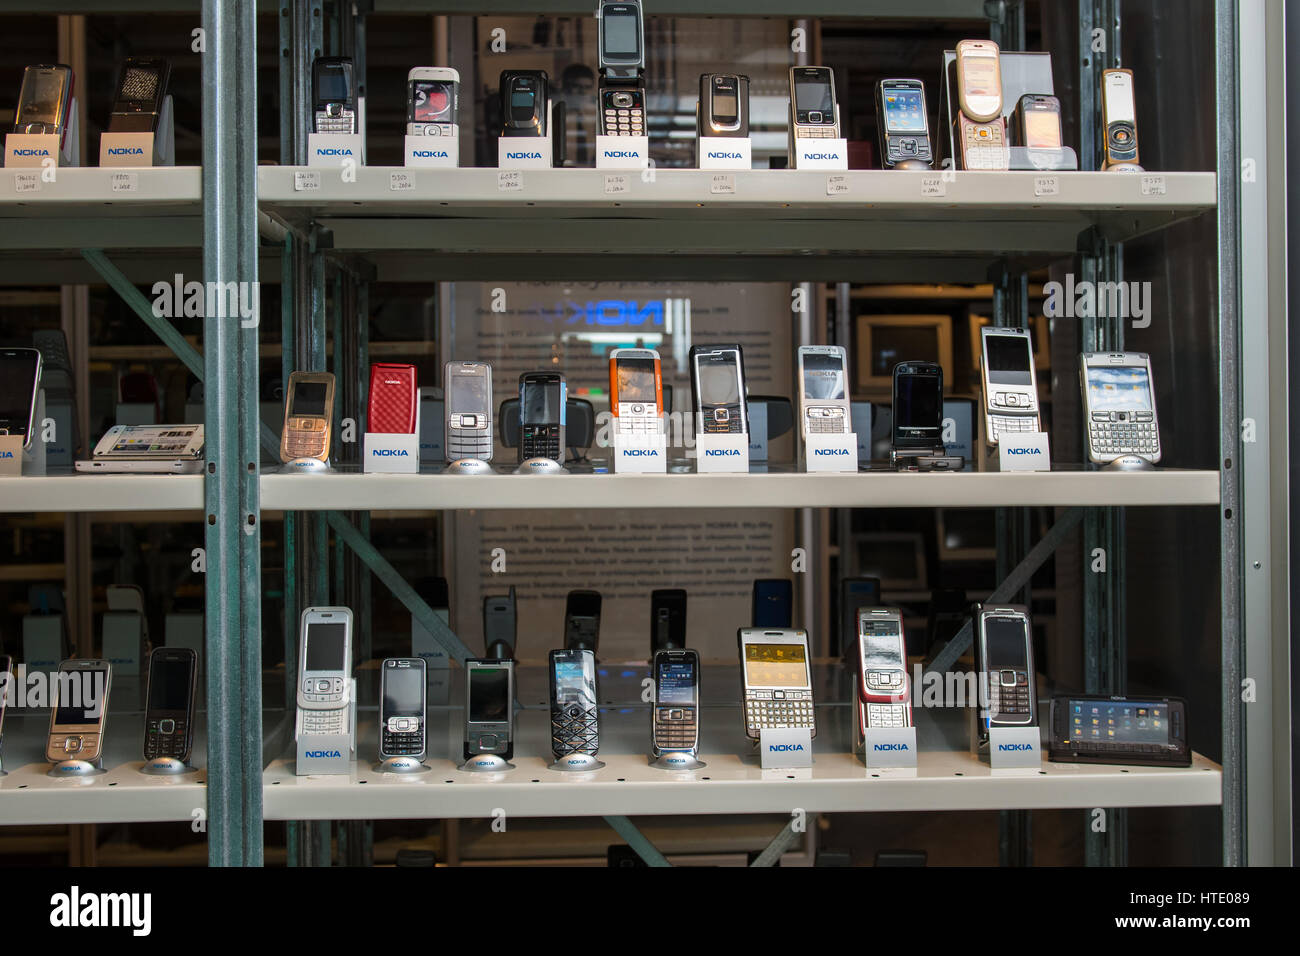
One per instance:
[(636, 394), (903, 123), (1010, 388), (6, 680), (812, 105), (1037, 122), (674, 721), (334, 97), (884, 697), (582, 620), (575, 718), (402, 715), (1119, 118), (724, 105), (621, 39), (489, 707), (718, 389), (667, 619), (1119, 405), (393, 396), (979, 80), (1142, 731), (80, 711), (823, 390), (855, 594), (20, 385), (622, 108), (982, 145), (777, 680), (324, 671), (500, 624), (308, 416), (543, 398), (918, 410), (524, 102), (45, 100), (432, 101), (133, 442), (1004, 663), (140, 94), (170, 700), (772, 603), (468, 390)]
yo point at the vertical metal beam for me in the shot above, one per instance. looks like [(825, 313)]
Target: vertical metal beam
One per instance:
[(232, 523)]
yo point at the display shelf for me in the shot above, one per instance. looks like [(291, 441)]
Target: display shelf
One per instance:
[(74, 492), (948, 776), (151, 208), (786, 214)]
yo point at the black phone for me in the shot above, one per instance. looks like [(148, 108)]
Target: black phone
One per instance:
[(140, 95), (582, 620), (773, 603), (20, 382), (1144, 731), (724, 105), (667, 619), (575, 719), (169, 714), (1004, 665), (524, 102), (489, 707), (402, 716), (334, 95), (918, 410), (542, 406), (500, 625), (903, 124)]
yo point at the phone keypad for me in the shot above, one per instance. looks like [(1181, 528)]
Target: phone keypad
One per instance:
[(826, 420), (574, 729), (623, 113), (1009, 696), (984, 146), (675, 728), (540, 441), (999, 425), (305, 437), (885, 682), (887, 715), (402, 737), (165, 737), (342, 122), (1112, 434), (638, 423), (816, 132), (325, 722), (723, 421), (778, 710)]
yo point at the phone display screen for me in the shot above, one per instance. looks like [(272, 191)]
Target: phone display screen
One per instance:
[(17, 389), (719, 383), (169, 684), (882, 645), (332, 83), (620, 32), (523, 100), (468, 393), (139, 85), (776, 665), (1005, 644), (918, 401), (980, 74), (403, 691), (1008, 360), (1121, 389), (1119, 98), (726, 107), (1119, 722), (573, 685), (636, 380), (327, 646), (1042, 129), (432, 101), (541, 403), (823, 376), (904, 111), (42, 95), (309, 400), (79, 696), (489, 695), (812, 92), (675, 681)]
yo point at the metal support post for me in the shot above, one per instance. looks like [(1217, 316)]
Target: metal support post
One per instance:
[(771, 855), (637, 841)]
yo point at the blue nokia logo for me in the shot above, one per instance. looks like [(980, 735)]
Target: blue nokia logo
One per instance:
[(612, 313), (830, 451), (30, 151), (785, 748), (391, 453), (622, 154), (890, 747), (822, 156), (323, 753), (1024, 451), (333, 151), (724, 155), (6, 454), (126, 151), (528, 155), (430, 153), (715, 452), (1015, 746), (640, 453)]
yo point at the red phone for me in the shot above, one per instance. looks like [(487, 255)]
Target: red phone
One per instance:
[(393, 399)]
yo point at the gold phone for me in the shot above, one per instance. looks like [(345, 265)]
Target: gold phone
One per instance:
[(982, 145), (308, 413), (80, 707), (979, 80), (1119, 117)]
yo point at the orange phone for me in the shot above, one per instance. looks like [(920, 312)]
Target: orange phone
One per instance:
[(636, 391)]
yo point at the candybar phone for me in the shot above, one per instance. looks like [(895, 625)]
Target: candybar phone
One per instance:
[(1010, 388), (812, 105), (1119, 118), (543, 398), (325, 671), (1141, 731), (979, 80), (170, 699), (1119, 405), (823, 390), (402, 716), (1004, 663), (621, 39), (724, 105), (334, 96), (45, 100), (1037, 122), (500, 624), (20, 384), (468, 390), (674, 720), (855, 594), (489, 707), (621, 109), (718, 389), (140, 95), (884, 697), (918, 411), (903, 124), (636, 396), (393, 396), (667, 619), (80, 711), (582, 620), (6, 679), (772, 603), (777, 680), (524, 102), (432, 101), (308, 416), (575, 721)]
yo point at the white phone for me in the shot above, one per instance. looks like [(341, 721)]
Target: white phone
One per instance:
[(777, 680), (1010, 388), (432, 101), (1119, 406), (324, 671), (823, 390)]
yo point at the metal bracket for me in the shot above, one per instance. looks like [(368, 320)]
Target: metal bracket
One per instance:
[(771, 855), (637, 841)]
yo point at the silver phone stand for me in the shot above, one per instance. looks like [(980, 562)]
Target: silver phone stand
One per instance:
[(486, 763), (912, 164), (469, 466), (402, 765), (1125, 168), (1129, 463), (576, 763), (678, 760), (77, 768), (165, 766), (539, 466), (304, 466)]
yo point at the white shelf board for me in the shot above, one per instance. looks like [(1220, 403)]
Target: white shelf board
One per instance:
[(75, 492)]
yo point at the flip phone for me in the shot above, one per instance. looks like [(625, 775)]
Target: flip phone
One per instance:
[(393, 396)]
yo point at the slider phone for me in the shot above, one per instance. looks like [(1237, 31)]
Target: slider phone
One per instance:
[(334, 98), (903, 124), (20, 385), (575, 716), (169, 714), (1136, 731), (675, 712), (776, 679), (582, 620), (151, 449), (1010, 387), (75, 744), (489, 713), (403, 719), (1119, 407), (325, 672), (1036, 122), (823, 390), (884, 698), (141, 90), (667, 619)]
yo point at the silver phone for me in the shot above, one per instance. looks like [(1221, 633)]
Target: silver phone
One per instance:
[(468, 390), (325, 671), (1004, 663), (489, 707), (823, 390), (777, 680), (1010, 387), (1119, 406)]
